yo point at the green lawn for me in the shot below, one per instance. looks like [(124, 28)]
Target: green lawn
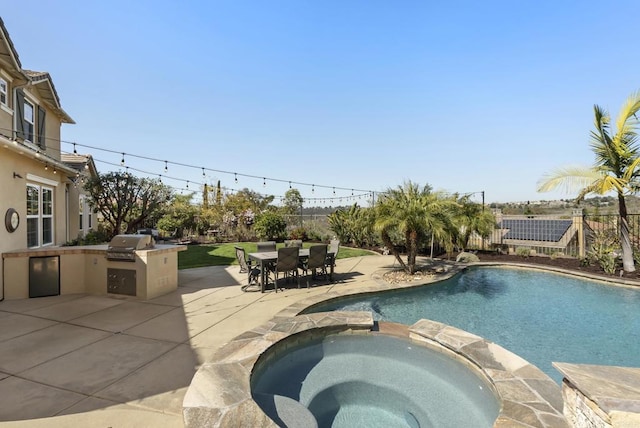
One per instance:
[(225, 254)]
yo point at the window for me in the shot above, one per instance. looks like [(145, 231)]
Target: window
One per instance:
[(81, 212), (33, 215), (86, 218), (47, 216), (3, 92), (28, 120), (39, 216)]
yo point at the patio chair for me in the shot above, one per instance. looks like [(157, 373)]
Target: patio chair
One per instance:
[(287, 263), (332, 254), (316, 260), (253, 272), (334, 247), (266, 246)]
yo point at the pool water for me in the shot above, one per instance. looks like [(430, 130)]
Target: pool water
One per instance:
[(543, 317), (376, 381)]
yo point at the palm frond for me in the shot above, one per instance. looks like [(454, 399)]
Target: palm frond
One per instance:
[(633, 171), (570, 179), (627, 122)]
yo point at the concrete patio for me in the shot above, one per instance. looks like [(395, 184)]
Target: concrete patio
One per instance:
[(94, 361)]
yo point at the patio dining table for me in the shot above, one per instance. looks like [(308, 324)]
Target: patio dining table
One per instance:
[(264, 258)]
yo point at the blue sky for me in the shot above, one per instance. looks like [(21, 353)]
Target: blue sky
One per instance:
[(465, 96)]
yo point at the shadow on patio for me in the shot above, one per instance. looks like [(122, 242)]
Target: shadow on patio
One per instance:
[(74, 356)]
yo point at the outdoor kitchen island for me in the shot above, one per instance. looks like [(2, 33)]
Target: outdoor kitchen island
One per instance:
[(50, 271)]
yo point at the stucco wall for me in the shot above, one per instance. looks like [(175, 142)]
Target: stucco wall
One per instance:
[(83, 269)]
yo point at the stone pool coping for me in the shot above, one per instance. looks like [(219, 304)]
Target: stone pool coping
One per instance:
[(220, 392)]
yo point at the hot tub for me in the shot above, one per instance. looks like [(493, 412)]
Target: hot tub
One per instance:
[(342, 369), (372, 380)]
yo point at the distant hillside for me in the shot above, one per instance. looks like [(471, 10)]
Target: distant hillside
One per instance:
[(595, 205)]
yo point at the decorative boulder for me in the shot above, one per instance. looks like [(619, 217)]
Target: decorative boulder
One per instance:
[(465, 257)]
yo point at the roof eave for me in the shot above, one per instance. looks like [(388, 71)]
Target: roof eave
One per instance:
[(54, 98)]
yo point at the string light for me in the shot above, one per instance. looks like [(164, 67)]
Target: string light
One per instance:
[(334, 189), (75, 145), (54, 170), (46, 167), (203, 174)]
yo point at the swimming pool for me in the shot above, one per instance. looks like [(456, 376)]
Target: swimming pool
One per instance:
[(543, 317), (373, 381)]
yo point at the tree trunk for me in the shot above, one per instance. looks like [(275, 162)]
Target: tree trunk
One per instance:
[(625, 241), (412, 250), (431, 244), (387, 241)]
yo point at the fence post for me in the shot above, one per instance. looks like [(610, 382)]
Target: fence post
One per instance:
[(578, 222)]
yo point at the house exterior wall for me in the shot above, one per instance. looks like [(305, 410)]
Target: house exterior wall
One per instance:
[(73, 223), (13, 190), (23, 163), (6, 112), (53, 126)]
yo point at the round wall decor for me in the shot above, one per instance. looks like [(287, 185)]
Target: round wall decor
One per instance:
[(11, 220)]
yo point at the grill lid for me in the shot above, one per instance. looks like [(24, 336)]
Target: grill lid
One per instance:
[(130, 243)]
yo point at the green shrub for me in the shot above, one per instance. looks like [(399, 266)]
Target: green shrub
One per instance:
[(92, 238), (523, 251), (603, 251), (607, 263), (298, 233), (270, 225), (314, 236)]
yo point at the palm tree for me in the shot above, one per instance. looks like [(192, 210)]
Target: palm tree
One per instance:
[(410, 214), (615, 168), (472, 218)]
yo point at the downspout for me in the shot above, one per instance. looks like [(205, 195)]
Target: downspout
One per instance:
[(66, 212)]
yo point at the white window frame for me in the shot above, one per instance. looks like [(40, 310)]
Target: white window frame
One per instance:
[(4, 92), (41, 216), (7, 79), (47, 240), (31, 135), (33, 218)]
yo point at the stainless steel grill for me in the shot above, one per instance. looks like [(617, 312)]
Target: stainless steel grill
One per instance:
[(123, 247)]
